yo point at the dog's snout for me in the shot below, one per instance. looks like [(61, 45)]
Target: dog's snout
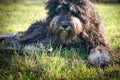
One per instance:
[(64, 24)]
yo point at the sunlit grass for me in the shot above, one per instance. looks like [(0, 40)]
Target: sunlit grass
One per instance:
[(58, 65), (19, 16)]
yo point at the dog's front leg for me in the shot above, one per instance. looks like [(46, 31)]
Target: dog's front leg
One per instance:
[(99, 57)]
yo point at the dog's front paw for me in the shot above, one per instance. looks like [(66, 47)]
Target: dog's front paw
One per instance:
[(99, 57)]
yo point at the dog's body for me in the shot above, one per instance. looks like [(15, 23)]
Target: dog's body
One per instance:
[(71, 23)]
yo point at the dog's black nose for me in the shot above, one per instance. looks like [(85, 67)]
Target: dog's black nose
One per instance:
[(64, 24)]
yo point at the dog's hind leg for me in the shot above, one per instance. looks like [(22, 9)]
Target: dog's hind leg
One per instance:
[(11, 37)]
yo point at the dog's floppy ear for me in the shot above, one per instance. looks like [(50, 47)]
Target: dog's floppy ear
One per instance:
[(89, 15), (91, 22)]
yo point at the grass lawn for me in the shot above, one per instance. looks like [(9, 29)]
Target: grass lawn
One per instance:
[(65, 65)]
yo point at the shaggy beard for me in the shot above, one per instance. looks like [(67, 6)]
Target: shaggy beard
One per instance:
[(68, 34)]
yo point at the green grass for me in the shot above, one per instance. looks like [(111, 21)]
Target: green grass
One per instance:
[(19, 16), (65, 65)]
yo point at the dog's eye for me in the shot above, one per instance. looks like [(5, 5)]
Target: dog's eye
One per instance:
[(76, 14)]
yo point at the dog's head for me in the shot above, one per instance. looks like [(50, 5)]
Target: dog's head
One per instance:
[(69, 18)]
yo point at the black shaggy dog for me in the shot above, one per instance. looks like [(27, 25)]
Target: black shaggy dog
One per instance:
[(71, 23)]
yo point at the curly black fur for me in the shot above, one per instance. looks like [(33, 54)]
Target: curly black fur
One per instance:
[(71, 23)]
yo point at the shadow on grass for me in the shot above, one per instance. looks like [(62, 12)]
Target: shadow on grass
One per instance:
[(51, 66)]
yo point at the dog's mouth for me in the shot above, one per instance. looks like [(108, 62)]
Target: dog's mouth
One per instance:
[(66, 35)]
